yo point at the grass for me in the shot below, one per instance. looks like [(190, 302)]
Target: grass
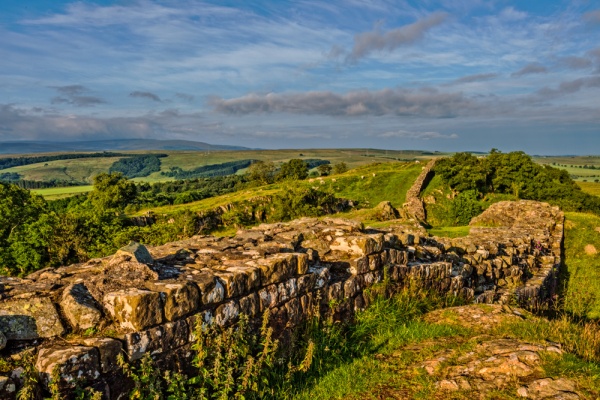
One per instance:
[(391, 182), (582, 270), (61, 192), (450, 231), (592, 188)]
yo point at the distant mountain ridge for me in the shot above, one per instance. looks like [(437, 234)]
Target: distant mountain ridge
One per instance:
[(27, 147)]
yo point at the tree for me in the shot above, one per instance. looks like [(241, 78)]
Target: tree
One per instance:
[(340, 168), (26, 228), (324, 169), (293, 169), (112, 191), (262, 171)]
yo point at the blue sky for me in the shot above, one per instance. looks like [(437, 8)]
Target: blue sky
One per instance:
[(436, 75)]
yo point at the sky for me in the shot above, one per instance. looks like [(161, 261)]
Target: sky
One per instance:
[(446, 75)]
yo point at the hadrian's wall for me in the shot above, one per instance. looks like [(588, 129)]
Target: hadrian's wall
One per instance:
[(413, 206), (149, 300)]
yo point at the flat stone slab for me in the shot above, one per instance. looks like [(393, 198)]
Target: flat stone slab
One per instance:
[(25, 319)]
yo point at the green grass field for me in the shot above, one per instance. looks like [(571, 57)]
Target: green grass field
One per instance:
[(590, 187), (61, 192), (582, 285)]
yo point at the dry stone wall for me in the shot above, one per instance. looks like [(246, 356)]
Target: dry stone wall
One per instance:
[(414, 207), (78, 318)]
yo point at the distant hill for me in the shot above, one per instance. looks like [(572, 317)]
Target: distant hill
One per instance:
[(27, 147)]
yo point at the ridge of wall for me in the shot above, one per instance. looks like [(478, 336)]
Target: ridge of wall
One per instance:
[(149, 300)]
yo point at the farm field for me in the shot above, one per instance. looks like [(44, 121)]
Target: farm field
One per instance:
[(83, 170), (61, 192)]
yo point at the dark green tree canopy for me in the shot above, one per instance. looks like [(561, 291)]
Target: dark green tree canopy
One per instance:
[(293, 169), (112, 191)]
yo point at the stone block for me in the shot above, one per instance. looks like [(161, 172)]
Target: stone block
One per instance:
[(74, 363), (157, 340), (212, 289), (269, 297), (250, 305), (108, 350), (227, 313), (7, 388), (79, 307), (180, 298), (135, 309), (352, 286), (277, 268), (359, 265), (358, 245), (23, 319)]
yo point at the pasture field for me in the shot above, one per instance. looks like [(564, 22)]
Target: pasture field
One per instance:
[(590, 187), (61, 192), (572, 165), (84, 170)]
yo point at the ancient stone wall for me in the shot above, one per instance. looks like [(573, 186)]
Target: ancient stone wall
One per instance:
[(78, 318), (413, 206)]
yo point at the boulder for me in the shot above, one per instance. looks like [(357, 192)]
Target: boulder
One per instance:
[(79, 307), (23, 319), (135, 309), (385, 211)]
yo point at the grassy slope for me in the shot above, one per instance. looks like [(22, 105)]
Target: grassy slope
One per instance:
[(582, 292), (391, 182), (590, 187)]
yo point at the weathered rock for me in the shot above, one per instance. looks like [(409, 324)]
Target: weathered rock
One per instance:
[(136, 252), (108, 350), (181, 298), (358, 245), (385, 211), (74, 363), (2, 340), (32, 318), (135, 309), (212, 289), (548, 388), (79, 307), (7, 387)]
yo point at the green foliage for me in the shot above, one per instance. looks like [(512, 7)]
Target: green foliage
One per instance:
[(262, 172), (295, 169), (297, 201), (516, 174), (112, 191), (9, 177), (227, 168), (324, 169), (464, 207), (148, 383), (26, 229), (340, 168), (137, 166)]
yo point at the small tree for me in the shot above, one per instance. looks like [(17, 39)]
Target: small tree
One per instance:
[(112, 191), (293, 169), (262, 171), (340, 168), (324, 169)]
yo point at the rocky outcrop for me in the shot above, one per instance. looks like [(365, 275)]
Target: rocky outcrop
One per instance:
[(149, 300), (413, 206)]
